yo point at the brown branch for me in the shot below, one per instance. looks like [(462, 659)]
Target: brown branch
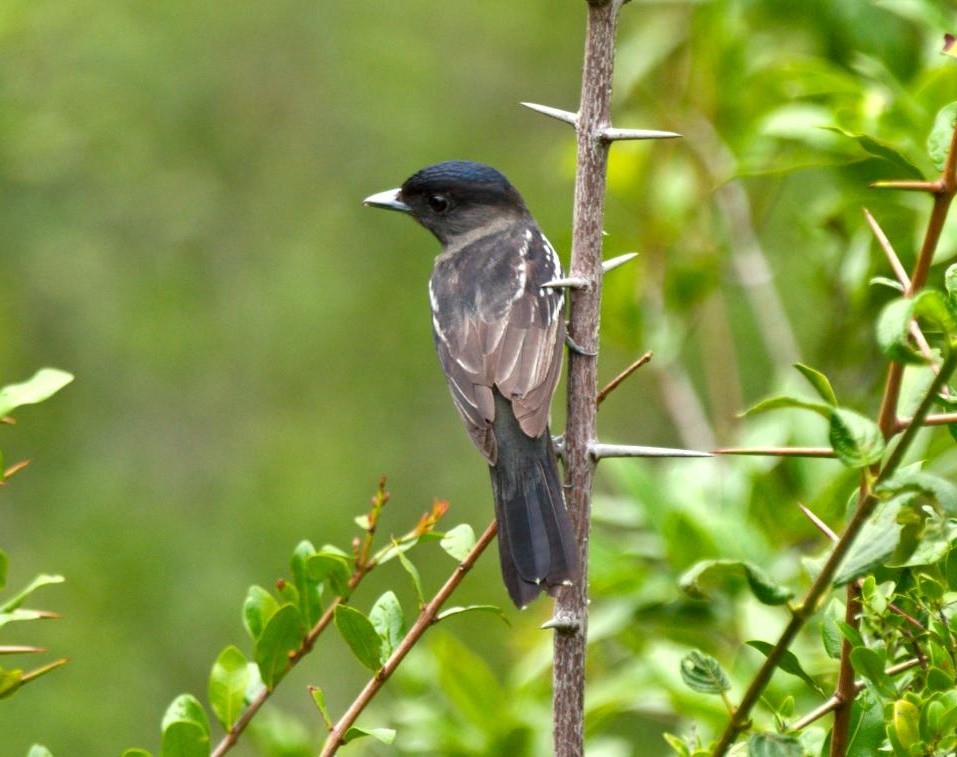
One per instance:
[(427, 616), (937, 419), (571, 602), (908, 185), (615, 382)]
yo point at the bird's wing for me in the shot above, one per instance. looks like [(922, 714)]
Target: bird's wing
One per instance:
[(496, 327)]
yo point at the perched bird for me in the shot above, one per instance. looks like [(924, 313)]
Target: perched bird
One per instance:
[(500, 335)]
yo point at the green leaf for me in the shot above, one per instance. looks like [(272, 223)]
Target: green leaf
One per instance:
[(706, 575), (703, 673), (385, 735), (950, 284), (893, 332), (227, 686), (44, 384), (458, 542), (19, 615), (881, 150), (413, 572), (786, 401), (856, 440), (332, 568), (389, 622), (867, 732), (874, 545), (788, 663), (258, 608), (774, 745), (134, 753), (185, 729), (308, 588), (282, 636), (905, 723), (495, 609), (38, 750), (18, 599), (360, 635), (820, 383), (938, 141), (831, 636), (911, 479), (870, 664), (320, 699)]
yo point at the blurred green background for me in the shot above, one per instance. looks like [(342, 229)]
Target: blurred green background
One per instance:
[(182, 229)]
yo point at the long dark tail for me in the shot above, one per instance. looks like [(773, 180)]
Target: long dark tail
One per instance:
[(537, 547)]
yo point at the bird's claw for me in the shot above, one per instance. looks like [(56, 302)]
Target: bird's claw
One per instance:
[(577, 348)]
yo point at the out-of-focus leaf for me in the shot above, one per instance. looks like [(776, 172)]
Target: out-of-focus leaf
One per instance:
[(4, 564), (44, 384), (709, 574), (774, 745), (819, 381), (785, 401), (185, 729), (228, 681), (856, 440), (880, 150), (789, 662), (132, 753), (360, 635), (283, 635), (938, 141), (703, 673), (18, 599), (38, 750), (385, 735), (388, 620), (458, 541), (20, 615), (10, 681)]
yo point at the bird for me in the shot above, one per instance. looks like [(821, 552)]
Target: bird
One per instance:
[(499, 334)]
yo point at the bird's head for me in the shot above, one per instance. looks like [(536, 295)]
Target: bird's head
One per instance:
[(455, 198)]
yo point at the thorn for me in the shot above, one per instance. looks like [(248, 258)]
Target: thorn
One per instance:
[(599, 451), (569, 282), (821, 525), (609, 134), (888, 249), (908, 185), (19, 649), (777, 451), (613, 263), (562, 115), (613, 384), (562, 625)]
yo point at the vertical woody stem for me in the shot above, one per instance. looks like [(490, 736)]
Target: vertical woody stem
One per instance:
[(571, 608)]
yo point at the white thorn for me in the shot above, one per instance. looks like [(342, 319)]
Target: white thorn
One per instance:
[(609, 134), (599, 451), (613, 263), (562, 115), (571, 282)]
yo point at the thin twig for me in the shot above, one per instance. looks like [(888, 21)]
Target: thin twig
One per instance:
[(834, 702), (427, 616), (908, 185), (614, 383), (937, 419)]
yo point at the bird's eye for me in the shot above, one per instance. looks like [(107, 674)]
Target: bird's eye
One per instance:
[(438, 203)]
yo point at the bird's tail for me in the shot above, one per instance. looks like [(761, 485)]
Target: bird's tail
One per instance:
[(537, 546)]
